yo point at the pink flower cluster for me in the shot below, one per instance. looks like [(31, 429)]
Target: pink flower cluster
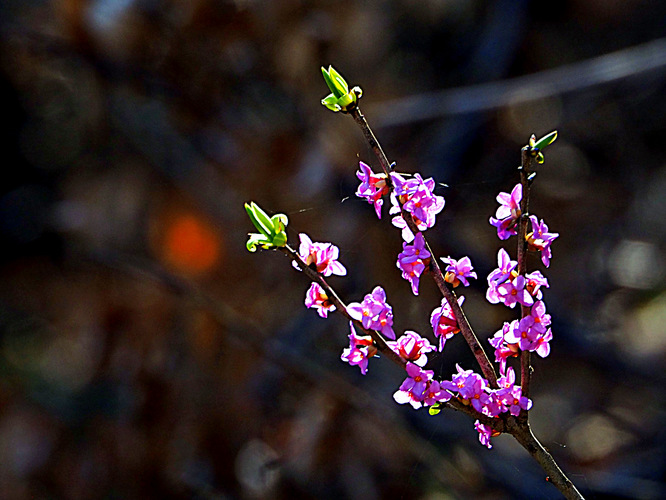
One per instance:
[(374, 313), (419, 388), (415, 196), (457, 271)]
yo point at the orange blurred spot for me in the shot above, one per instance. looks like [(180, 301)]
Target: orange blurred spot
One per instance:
[(190, 244)]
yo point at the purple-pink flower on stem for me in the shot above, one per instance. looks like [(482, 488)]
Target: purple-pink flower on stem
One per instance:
[(411, 261), (499, 275), (412, 347), (324, 256), (504, 350), (457, 271), (359, 351), (485, 433), (413, 388), (508, 212), (533, 283), (540, 239), (514, 292), (373, 186), (444, 323), (415, 196), (316, 298), (374, 313)]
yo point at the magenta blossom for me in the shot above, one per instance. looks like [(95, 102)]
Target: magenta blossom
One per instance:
[(412, 347), (316, 298), (374, 313), (499, 275), (414, 387), (514, 292), (534, 281), (504, 350), (323, 256), (457, 271), (508, 212), (359, 351), (444, 323), (415, 196), (485, 433), (540, 239), (411, 261), (373, 186)]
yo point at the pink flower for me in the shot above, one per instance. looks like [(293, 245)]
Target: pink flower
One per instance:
[(508, 212), (359, 351), (415, 196), (323, 256), (373, 186), (444, 323), (540, 239), (316, 298), (514, 292), (374, 313), (485, 433), (412, 261), (412, 347), (457, 271), (499, 275), (414, 387)]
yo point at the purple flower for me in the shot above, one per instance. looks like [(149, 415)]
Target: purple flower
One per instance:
[(415, 196), (415, 252), (316, 298), (540, 239), (508, 212), (322, 255), (457, 271), (359, 351), (413, 388), (411, 261), (435, 393), (499, 275), (514, 292), (374, 312), (503, 349), (444, 323), (534, 281), (412, 347), (515, 401), (373, 186), (485, 433)]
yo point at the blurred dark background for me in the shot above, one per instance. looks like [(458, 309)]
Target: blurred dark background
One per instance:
[(144, 353)]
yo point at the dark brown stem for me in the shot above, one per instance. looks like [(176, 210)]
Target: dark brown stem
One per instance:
[(523, 434), (340, 306), (372, 141)]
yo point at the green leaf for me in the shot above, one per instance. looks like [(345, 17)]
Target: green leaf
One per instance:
[(339, 82), (434, 409), (539, 158), (264, 220), (330, 83), (331, 102), (280, 239), (546, 140), (250, 209), (254, 240)]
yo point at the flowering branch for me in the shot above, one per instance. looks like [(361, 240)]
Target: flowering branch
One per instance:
[(333, 297), (498, 405)]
